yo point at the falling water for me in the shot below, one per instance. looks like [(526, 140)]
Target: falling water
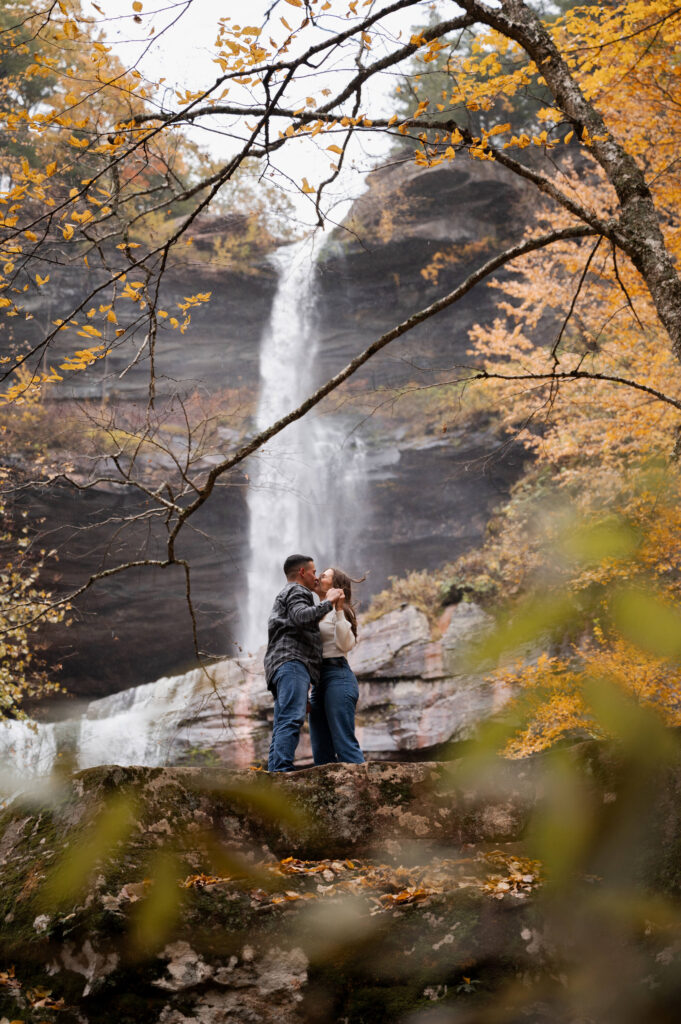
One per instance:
[(164, 722), (306, 480)]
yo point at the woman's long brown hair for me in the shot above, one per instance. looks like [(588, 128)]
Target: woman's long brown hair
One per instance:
[(342, 580)]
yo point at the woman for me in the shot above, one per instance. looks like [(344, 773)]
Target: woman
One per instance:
[(334, 698)]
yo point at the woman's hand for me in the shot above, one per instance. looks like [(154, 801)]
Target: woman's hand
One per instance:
[(334, 594)]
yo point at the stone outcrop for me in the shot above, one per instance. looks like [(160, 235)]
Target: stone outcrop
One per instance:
[(370, 274), (416, 695), (341, 893)]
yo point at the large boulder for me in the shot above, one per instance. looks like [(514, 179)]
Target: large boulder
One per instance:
[(341, 893), (416, 694)]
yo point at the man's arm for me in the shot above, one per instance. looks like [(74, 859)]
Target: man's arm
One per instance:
[(301, 610)]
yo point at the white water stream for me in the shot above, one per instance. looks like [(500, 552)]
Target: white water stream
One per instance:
[(131, 727), (305, 485)]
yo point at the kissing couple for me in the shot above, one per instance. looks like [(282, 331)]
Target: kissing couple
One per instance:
[(306, 660)]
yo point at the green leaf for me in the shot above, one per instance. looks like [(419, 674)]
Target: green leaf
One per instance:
[(648, 622), (609, 539), (72, 874), (157, 914)]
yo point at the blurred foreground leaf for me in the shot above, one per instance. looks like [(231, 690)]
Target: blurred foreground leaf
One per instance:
[(563, 824), (259, 797), (648, 621), (610, 539), (640, 731), (156, 915), (537, 618), (71, 876)]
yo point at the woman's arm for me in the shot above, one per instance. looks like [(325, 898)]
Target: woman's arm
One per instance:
[(343, 636)]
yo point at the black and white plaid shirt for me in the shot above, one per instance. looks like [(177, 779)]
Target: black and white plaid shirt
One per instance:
[(293, 631)]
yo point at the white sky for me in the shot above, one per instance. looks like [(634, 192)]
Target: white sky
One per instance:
[(182, 54)]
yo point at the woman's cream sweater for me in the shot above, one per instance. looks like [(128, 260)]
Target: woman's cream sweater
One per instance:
[(337, 635)]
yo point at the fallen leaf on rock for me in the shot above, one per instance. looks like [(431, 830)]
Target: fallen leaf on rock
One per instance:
[(200, 881), (41, 999), (292, 866), (521, 875), (405, 897)]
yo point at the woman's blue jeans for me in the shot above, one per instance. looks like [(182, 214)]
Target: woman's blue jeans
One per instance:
[(332, 714), (291, 683)]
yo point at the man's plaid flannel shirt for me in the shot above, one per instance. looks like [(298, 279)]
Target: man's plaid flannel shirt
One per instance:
[(293, 631)]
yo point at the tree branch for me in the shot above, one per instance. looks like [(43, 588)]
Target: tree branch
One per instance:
[(256, 442)]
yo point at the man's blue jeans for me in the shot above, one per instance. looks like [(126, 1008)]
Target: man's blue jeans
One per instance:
[(291, 681), (332, 714)]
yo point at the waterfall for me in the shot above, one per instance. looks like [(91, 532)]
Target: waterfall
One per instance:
[(27, 748), (305, 485), (220, 713)]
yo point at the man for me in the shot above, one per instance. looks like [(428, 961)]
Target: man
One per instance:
[(294, 655)]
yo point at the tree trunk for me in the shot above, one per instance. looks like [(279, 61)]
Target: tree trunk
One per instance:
[(637, 229)]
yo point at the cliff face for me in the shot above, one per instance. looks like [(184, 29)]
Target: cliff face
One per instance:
[(343, 893), (425, 498), (370, 273)]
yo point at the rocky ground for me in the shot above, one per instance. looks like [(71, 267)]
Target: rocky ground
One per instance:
[(385, 893)]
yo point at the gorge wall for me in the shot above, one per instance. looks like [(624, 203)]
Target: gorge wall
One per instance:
[(427, 497)]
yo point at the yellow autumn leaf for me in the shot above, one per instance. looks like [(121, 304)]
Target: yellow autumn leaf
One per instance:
[(335, 149), (111, 317), (137, 6), (31, 235), (307, 188), (67, 232), (41, 280), (295, 3)]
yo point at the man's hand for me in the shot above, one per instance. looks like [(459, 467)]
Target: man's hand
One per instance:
[(334, 594)]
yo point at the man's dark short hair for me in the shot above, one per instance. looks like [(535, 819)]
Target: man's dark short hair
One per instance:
[(294, 562)]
